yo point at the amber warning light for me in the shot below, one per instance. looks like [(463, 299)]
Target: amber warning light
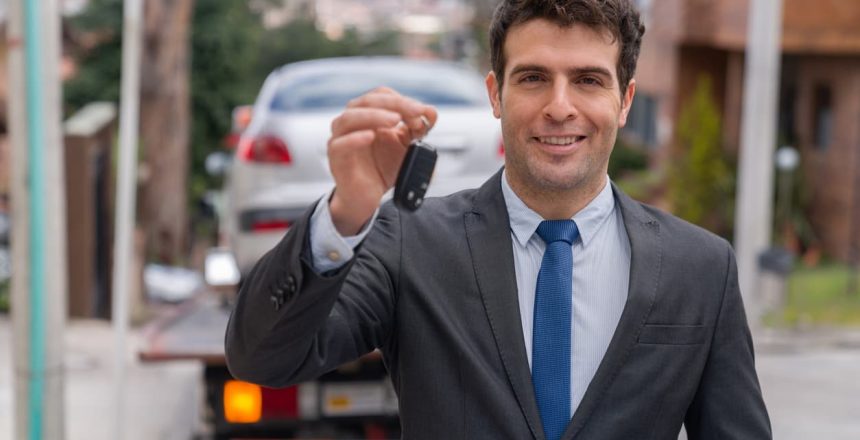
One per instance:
[(243, 402)]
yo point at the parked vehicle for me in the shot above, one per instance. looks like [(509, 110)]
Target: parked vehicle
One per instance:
[(281, 168)]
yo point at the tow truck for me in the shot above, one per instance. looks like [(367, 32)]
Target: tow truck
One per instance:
[(356, 400)]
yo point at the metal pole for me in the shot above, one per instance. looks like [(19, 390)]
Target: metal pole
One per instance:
[(20, 218), (125, 199), (758, 138), (39, 294)]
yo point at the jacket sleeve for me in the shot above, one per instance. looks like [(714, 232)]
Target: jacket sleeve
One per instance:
[(728, 403), (292, 324)]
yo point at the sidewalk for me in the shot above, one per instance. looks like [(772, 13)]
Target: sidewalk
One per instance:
[(770, 340), (164, 400)]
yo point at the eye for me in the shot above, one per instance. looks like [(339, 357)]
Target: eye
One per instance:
[(530, 78), (590, 81)]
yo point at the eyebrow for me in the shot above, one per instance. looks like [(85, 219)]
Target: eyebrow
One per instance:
[(594, 70)]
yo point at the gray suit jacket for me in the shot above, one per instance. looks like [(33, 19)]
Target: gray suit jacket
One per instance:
[(435, 292)]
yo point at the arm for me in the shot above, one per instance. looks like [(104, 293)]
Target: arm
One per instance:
[(325, 319), (728, 403), (292, 322)]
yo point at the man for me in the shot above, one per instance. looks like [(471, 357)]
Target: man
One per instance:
[(545, 304)]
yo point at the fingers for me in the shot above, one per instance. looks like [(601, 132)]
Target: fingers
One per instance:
[(377, 109), (355, 139), (356, 119)]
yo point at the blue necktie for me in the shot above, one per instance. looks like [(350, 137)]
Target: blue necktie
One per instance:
[(551, 337)]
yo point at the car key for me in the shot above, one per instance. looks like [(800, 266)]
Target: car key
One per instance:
[(414, 176)]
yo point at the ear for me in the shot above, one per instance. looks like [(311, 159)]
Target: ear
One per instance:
[(494, 94), (626, 102)]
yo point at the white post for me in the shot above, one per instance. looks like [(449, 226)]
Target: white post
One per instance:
[(125, 200), (758, 141)]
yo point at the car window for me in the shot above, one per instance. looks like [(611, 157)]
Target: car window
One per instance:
[(433, 85)]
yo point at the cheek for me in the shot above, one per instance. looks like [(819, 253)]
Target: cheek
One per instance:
[(605, 116)]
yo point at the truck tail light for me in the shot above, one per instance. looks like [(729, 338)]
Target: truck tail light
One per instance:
[(243, 402), (265, 149), (249, 403), (269, 225), (281, 403)]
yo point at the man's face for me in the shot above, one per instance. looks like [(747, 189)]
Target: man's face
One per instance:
[(560, 106)]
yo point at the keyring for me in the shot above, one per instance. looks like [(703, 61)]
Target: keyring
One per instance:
[(424, 121)]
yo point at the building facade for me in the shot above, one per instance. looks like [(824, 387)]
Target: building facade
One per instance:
[(819, 108)]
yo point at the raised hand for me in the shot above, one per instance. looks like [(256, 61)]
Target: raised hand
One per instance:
[(366, 148)]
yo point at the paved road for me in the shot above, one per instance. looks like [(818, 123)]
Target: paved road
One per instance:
[(811, 386), (812, 393)]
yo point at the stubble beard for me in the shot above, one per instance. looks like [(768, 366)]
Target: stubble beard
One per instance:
[(552, 178)]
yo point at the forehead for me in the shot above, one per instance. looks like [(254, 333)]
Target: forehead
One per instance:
[(542, 42)]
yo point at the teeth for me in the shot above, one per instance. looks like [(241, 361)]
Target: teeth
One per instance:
[(556, 140)]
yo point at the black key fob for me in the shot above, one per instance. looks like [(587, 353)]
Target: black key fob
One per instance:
[(414, 176)]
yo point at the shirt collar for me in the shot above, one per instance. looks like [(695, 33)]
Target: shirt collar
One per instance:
[(524, 221)]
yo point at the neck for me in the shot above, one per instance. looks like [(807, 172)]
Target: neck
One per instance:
[(557, 204)]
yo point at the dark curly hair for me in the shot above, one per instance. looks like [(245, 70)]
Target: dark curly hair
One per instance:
[(619, 17)]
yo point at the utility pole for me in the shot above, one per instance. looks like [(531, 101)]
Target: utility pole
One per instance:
[(39, 214), (754, 214), (126, 197)]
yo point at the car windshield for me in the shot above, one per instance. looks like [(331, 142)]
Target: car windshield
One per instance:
[(431, 84)]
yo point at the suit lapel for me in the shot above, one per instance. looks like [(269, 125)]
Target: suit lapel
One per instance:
[(645, 264), (489, 236)]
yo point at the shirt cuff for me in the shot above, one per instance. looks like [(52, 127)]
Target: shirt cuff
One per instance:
[(329, 249)]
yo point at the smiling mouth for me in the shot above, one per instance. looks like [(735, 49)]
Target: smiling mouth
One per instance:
[(560, 140)]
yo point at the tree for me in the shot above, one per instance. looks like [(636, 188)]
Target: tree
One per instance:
[(165, 127), (220, 65), (701, 180), (98, 55), (224, 40)]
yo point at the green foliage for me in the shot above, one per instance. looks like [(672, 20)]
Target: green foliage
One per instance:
[(701, 179), (626, 158), (99, 67), (4, 296), (224, 39), (817, 297)]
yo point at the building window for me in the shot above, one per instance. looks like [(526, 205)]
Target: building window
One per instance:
[(642, 120), (787, 134), (823, 128)]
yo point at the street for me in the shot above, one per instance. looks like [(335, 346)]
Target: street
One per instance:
[(811, 386), (812, 393)]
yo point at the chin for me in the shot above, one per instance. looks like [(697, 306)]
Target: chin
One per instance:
[(558, 181)]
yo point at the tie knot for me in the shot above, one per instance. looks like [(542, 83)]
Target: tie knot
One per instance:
[(558, 230)]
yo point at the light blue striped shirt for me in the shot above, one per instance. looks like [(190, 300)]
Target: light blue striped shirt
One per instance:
[(601, 268), (601, 274)]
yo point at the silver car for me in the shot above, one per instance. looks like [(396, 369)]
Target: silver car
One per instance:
[(281, 166)]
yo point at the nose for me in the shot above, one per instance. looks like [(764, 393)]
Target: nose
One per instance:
[(561, 106)]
